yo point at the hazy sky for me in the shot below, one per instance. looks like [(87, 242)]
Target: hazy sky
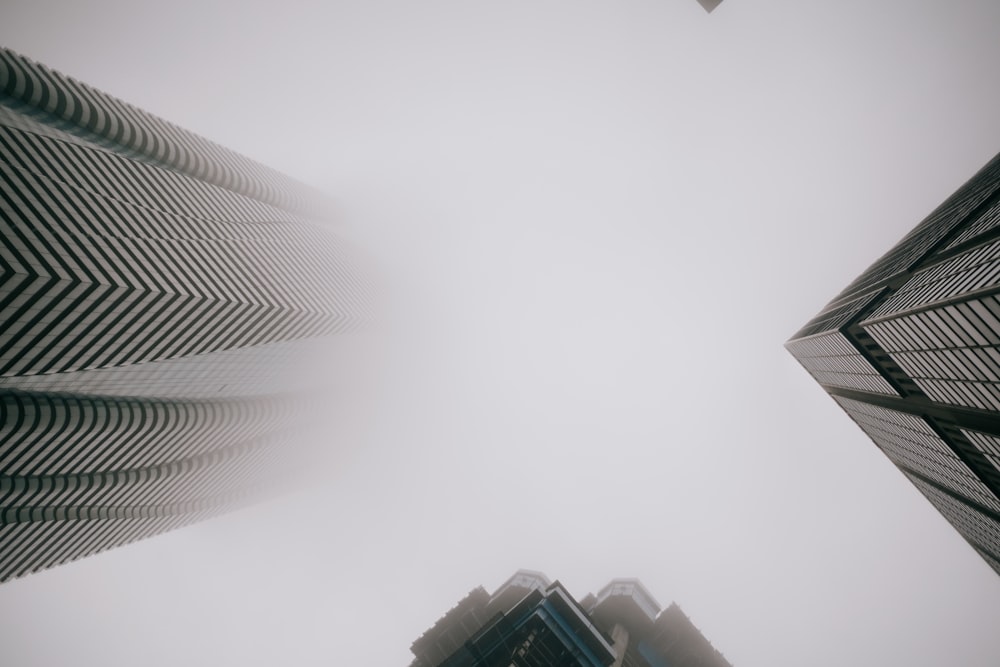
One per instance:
[(596, 223)]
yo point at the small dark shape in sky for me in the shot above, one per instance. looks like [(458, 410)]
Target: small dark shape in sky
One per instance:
[(709, 5)]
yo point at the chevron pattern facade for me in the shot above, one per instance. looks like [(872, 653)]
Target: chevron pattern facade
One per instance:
[(911, 351), (161, 298)]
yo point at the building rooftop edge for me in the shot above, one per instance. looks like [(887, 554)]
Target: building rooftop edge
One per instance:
[(71, 106)]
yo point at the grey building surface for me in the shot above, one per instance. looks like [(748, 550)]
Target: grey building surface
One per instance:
[(911, 351), (531, 621), (709, 5), (161, 300)]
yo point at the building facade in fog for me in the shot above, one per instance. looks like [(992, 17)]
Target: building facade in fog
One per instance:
[(532, 622), (911, 351), (161, 298)]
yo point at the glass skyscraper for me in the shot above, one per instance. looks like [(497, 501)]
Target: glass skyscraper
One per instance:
[(911, 351), (161, 302), (530, 621)]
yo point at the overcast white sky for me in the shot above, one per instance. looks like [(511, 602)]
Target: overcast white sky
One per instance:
[(597, 222)]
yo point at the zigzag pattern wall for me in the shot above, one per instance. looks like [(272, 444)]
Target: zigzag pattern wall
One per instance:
[(160, 299)]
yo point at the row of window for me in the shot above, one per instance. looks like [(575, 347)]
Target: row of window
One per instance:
[(983, 223), (65, 203), (232, 470), (50, 327), (275, 369), (984, 396), (31, 545), (981, 530), (934, 228), (991, 560), (951, 352), (835, 316), (969, 364), (832, 360), (90, 168), (19, 121), (62, 435), (971, 323), (989, 445), (909, 442), (80, 109), (974, 270)]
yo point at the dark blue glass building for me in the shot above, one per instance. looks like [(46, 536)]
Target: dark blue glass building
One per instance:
[(532, 622)]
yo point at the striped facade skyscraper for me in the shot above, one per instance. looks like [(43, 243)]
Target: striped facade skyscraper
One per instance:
[(911, 351), (161, 299)]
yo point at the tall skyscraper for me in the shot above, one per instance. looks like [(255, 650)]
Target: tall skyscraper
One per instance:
[(911, 351), (161, 302), (532, 622)]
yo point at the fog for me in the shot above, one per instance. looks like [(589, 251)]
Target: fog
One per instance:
[(593, 225)]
